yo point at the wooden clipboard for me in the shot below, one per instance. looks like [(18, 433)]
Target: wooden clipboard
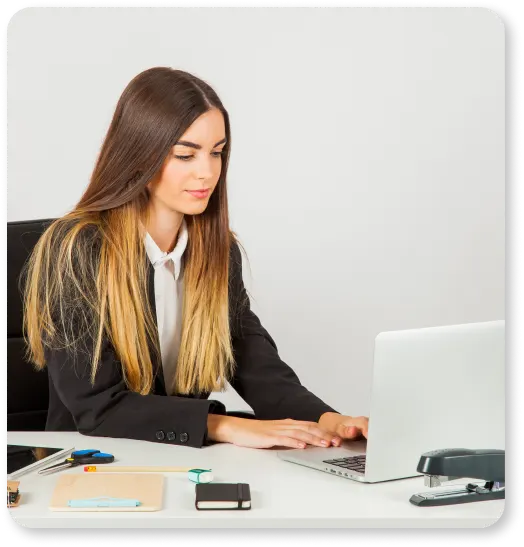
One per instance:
[(147, 488)]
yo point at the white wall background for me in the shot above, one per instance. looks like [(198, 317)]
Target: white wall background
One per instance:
[(367, 171)]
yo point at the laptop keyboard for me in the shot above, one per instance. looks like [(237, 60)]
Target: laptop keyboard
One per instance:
[(352, 463)]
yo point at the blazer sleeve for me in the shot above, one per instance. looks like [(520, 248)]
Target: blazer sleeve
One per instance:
[(262, 379), (109, 409)]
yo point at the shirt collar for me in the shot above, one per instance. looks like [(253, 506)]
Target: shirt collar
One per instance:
[(159, 258)]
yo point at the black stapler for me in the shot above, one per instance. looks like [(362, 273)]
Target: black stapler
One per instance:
[(449, 464)]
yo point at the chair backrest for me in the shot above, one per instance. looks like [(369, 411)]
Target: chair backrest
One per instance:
[(27, 388)]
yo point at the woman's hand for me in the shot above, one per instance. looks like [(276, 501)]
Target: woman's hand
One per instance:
[(346, 427), (268, 433)]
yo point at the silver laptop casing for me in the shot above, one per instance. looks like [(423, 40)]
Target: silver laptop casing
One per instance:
[(432, 388)]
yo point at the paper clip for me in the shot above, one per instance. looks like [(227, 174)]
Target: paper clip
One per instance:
[(103, 501)]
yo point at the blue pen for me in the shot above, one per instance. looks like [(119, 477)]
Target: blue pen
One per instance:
[(103, 501)]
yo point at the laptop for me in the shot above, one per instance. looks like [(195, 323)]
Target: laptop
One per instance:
[(432, 388)]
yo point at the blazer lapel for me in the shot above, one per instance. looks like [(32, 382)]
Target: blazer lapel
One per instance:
[(158, 373)]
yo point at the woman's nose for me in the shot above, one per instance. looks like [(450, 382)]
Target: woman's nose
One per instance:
[(204, 169)]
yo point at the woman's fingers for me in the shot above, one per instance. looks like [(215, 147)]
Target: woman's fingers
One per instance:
[(362, 423), (351, 432), (282, 440), (304, 436), (300, 422), (316, 435), (329, 436), (351, 429)]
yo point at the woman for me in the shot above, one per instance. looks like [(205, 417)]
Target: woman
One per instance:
[(135, 301)]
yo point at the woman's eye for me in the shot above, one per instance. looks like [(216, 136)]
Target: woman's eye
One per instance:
[(187, 158)]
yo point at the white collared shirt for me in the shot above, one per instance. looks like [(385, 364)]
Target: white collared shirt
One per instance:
[(168, 298)]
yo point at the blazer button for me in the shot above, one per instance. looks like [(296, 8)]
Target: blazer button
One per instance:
[(160, 435), (171, 436), (184, 437)]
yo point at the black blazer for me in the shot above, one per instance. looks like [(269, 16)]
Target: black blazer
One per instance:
[(110, 409)]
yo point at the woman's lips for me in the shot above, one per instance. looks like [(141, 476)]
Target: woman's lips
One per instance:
[(200, 194)]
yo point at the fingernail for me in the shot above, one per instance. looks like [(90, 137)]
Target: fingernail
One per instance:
[(323, 443), (302, 445)]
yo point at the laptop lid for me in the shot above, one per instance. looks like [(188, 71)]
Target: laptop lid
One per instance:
[(438, 387)]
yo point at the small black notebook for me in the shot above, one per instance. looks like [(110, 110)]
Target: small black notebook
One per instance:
[(216, 495)]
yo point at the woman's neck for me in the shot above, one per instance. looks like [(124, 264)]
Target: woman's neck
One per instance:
[(163, 226)]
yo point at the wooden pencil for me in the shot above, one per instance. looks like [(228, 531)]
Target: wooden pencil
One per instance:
[(134, 469)]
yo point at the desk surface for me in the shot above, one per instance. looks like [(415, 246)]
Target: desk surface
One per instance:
[(284, 495)]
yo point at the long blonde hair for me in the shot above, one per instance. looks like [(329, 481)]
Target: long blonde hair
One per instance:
[(86, 279)]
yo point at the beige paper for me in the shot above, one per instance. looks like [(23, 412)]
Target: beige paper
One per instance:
[(146, 488)]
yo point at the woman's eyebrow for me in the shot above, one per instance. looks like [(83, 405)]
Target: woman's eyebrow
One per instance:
[(198, 146)]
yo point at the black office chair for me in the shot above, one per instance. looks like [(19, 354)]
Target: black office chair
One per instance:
[(27, 388)]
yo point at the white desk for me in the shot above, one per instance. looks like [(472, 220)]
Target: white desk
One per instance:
[(284, 495)]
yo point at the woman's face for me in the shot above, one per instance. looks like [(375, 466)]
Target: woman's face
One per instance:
[(192, 168)]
